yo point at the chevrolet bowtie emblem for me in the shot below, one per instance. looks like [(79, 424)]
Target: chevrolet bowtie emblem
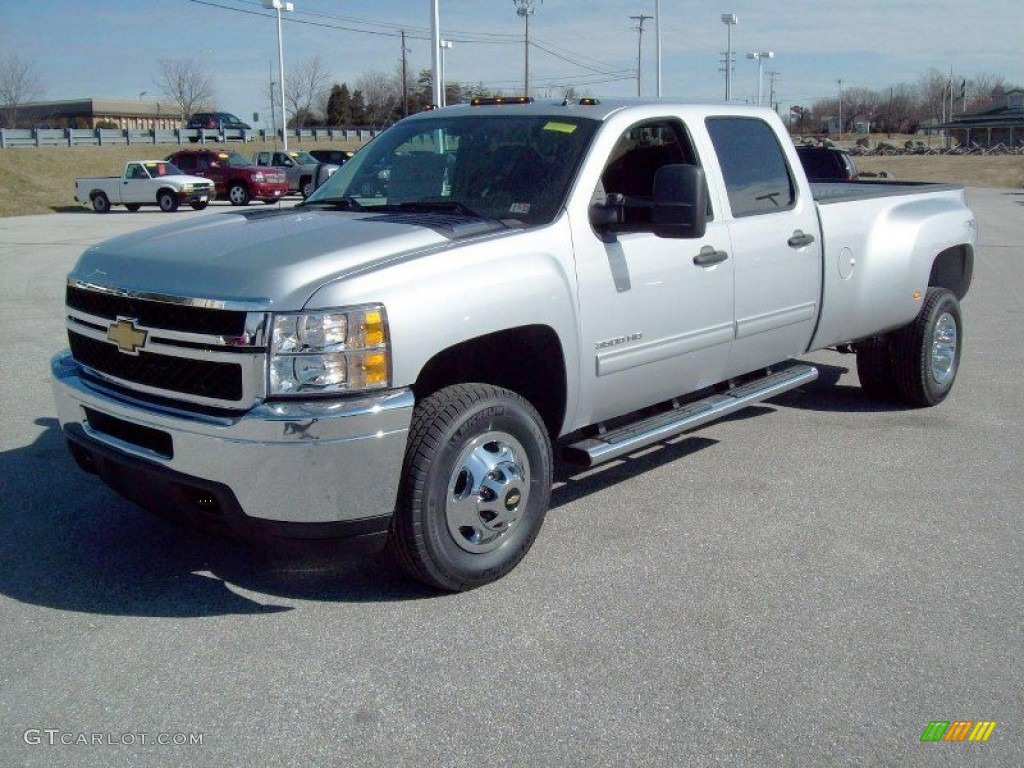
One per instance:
[(128, 338)]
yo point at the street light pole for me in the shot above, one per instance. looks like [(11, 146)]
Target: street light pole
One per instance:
[(760, 56), (657, 46), (730, 20), (281, 5), (446, 45), (435, 35)]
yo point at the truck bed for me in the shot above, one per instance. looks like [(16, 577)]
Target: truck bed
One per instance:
[(826, 192)]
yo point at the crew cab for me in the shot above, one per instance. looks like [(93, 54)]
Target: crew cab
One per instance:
[(301, 168), (233, 174), (582, 278), (145, 182)]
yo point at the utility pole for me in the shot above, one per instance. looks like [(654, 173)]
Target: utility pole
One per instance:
[(840, 81), (526, 9), (639, 46), (772, 74)]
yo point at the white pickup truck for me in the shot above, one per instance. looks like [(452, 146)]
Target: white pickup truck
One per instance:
[(145, 182), (588, 278)]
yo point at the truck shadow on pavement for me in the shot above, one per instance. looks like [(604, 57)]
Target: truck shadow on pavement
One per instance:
[(68, 542)]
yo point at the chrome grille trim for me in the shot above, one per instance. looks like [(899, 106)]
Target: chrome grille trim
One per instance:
[(247, 352)]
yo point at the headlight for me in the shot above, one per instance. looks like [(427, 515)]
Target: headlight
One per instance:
[(258, 177), (186, 188), (330, 352)]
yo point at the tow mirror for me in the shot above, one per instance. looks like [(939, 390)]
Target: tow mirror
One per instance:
[(680, 202)]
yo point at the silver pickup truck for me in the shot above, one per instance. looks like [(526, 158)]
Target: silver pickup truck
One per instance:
[(588, 278)]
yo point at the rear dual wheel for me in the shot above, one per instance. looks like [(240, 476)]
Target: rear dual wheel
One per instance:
[(917, 364), (475, 487)]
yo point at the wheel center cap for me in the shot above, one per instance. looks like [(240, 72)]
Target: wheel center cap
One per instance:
[(512, 499)]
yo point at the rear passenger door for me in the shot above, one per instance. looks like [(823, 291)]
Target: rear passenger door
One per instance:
[(776, 248)]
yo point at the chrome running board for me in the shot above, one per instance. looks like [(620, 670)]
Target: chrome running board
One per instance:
[(654, 429)]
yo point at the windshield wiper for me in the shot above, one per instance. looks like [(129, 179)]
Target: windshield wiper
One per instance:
[(438, 206), (347, 203)]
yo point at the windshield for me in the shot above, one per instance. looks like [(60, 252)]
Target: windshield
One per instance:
[(303, 158), (492, 166), (162, 168), (234, 159)]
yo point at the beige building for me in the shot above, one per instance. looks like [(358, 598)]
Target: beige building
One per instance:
[(132, 114)]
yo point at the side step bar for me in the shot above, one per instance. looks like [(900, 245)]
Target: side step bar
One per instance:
[(662, 426)]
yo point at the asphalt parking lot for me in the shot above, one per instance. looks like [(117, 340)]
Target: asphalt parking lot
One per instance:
[(810, 584)]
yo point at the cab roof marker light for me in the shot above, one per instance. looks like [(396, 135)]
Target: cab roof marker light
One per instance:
[(481, 101)]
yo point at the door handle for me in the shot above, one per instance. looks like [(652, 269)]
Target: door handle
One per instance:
[(799, 239), (708, 257)]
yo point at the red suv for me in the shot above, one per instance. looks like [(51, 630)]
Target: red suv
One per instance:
[(233, 175)]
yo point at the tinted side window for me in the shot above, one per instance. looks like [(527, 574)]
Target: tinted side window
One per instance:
[(757, 176), (185, 162)]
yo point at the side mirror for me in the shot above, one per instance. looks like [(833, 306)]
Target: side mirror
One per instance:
[(609, 214), (680, 202)]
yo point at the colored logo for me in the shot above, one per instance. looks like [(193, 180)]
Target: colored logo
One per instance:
[(128, 338), (959, 730)]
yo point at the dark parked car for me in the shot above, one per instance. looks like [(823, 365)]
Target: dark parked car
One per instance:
[(216, 121), (827, 163), (233, 174), (332, 156)]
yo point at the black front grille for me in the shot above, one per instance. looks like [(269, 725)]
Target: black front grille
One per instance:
[(158, 314), (201, 378)]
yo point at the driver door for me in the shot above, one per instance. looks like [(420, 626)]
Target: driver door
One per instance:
[(656, 313)]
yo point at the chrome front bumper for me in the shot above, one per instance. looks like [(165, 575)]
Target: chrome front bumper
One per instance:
[(311, 463)]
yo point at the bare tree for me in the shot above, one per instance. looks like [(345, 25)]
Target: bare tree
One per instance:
[(382, 92), (305, 85), (19, 84), (931, 95), (984, 89), (184, 82)]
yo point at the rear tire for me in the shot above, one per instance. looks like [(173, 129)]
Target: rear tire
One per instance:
[(306, 187), (100, 203), (875, 370), (926, 353), (475, 487)]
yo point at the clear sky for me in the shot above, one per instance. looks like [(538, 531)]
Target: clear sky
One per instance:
[(108, 49)]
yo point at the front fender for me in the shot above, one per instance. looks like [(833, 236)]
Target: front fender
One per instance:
[(438, 299)]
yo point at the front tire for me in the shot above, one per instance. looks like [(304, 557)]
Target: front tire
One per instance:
[(168, 202), (926, 353), (475, 488), (238, 194)]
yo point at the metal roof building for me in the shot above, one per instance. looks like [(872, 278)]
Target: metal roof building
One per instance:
[(998, 123)]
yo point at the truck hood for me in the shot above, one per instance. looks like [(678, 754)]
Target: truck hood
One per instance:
[(256, 260)]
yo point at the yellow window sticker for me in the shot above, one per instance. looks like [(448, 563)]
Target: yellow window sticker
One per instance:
[(560, 127)]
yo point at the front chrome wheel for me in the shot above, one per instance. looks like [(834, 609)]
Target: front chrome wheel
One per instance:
[(489, 488)]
